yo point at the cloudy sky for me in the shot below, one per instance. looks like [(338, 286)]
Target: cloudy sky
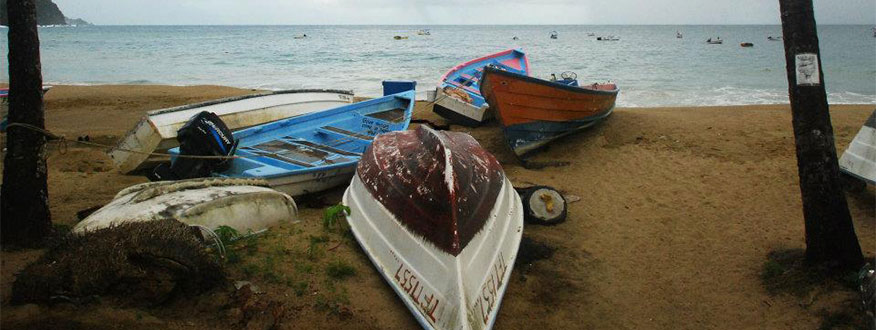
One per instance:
[(232, 12)]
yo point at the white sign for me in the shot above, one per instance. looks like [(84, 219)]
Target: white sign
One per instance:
[(807, 70)]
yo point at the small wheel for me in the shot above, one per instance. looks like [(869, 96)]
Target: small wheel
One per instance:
[(543, 205), (569, 75)]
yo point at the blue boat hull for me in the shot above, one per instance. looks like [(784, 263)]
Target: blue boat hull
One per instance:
[(529, 137), (316, 151)]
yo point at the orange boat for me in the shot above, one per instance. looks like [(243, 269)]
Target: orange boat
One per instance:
[(534, 112)]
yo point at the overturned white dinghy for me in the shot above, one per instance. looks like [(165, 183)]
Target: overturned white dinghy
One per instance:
[(438, 218), (859, 160), (243, 204), (157, 130)]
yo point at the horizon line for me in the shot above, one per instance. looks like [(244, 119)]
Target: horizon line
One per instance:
[(476, 24)]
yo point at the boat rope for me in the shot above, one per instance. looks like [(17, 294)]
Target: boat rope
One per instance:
[(63, 144), (62, 141), (220, 247)]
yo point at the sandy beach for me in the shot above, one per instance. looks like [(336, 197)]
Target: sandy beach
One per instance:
[(676, 212)]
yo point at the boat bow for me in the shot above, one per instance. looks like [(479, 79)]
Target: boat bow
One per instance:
[(436, 215)]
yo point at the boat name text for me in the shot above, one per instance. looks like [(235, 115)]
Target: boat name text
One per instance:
[(489, 296), (426, 302)]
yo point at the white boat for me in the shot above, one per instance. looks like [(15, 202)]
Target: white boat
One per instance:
[(716, 41), (440, 221), (678, 35), (424, 32), (243, 204), (859, 159), (554, 34), (157, 130)]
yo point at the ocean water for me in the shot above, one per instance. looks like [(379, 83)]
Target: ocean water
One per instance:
[(650, 65)]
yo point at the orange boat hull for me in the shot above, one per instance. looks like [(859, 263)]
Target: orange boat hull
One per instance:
[(534, 112)]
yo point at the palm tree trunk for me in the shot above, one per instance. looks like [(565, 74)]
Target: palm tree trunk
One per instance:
[(24, 200)]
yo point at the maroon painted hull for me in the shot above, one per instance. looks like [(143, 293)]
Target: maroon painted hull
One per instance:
[(441, 185)]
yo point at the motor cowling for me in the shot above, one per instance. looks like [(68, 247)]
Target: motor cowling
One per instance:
[(205, 134)]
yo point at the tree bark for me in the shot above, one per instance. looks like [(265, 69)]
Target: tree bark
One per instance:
[(24, 211), (830, 234)]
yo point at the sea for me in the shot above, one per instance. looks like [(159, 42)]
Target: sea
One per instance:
[(650, 65)]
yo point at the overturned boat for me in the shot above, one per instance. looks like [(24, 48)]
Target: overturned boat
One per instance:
[(533, 112), (859, 159), (245, 205), (157, 130), (438, 218), (316, 151), (458, 97)]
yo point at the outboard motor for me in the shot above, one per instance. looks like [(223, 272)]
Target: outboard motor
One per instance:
[(203, 135)]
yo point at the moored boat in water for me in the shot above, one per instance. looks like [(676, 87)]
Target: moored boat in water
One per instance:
[(440, 221), (158, 129), (319, 150), (458, 97), (533, 111)]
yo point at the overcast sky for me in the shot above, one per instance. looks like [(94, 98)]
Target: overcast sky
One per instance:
[(231, 12)]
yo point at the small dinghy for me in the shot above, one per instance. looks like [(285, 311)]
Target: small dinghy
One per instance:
[(157, 130), (245, 205), (859, 159), (440, 221), (608, 38), (716, 41), (533, 112), (458, 97), (319, 150)]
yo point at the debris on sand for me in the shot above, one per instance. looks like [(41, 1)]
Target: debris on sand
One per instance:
[(139, 264)]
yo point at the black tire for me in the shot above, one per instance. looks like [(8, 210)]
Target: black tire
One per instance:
[(540, 205)]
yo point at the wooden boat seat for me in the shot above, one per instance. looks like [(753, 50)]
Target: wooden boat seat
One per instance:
[(396, 115), (300, 152), (467, 88), (342, 131), (467, 79)]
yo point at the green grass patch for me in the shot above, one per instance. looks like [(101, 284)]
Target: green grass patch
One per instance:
[(788, 271), (339, 270)]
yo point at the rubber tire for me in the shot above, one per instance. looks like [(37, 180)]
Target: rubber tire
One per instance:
[(530, 216)]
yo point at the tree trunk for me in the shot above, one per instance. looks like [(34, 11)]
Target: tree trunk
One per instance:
[(830, 234), (24, 207)]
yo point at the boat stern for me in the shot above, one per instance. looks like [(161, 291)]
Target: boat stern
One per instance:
[(459, 111)]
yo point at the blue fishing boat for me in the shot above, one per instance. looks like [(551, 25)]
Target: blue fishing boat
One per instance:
[(458, 97), (316, 151)]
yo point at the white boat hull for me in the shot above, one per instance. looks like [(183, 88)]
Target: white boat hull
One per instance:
[(442, 291), (157, 130), (306, 183), (242, 204), (460, 111), (859, 159)]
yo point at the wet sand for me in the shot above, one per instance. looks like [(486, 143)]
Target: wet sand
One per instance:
[(678, 210)]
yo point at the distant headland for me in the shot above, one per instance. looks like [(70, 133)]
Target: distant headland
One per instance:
[(48, 13)]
